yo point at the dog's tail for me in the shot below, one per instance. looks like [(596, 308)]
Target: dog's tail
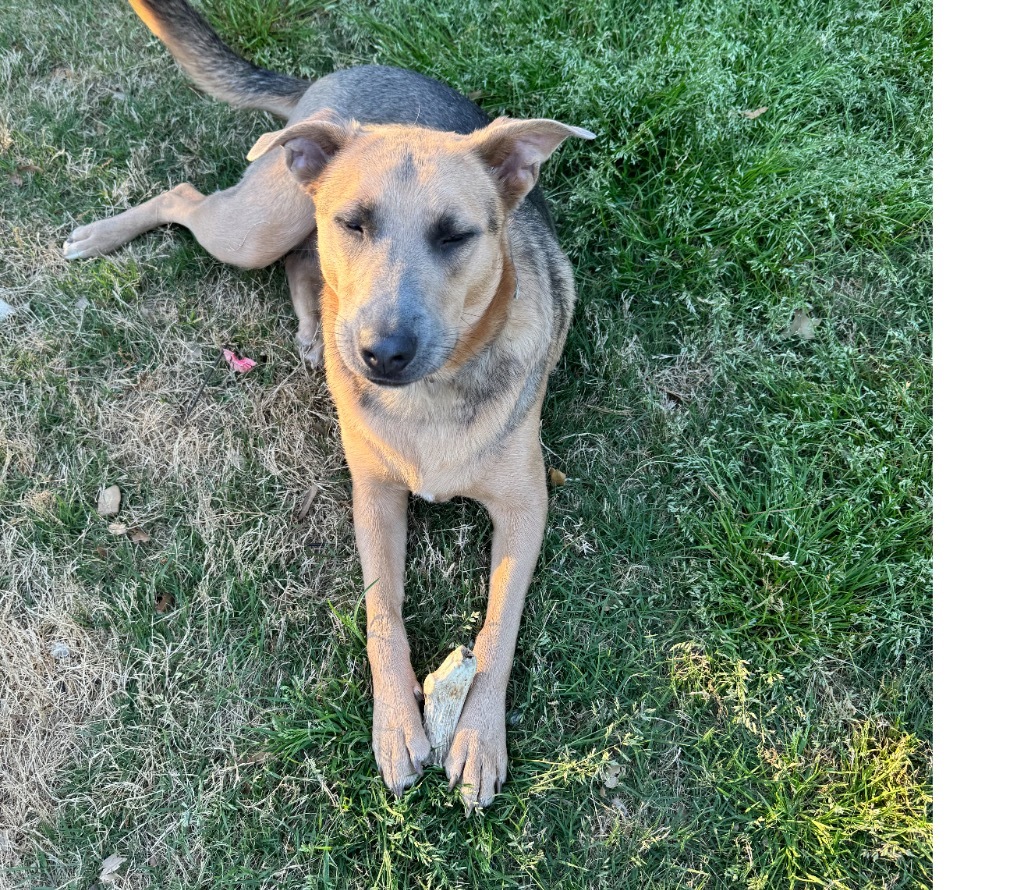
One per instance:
[(212, 65)]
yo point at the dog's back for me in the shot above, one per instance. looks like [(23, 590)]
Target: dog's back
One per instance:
[(371, 94)]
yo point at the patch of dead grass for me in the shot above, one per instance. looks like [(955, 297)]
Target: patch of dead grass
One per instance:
[(56, 679)]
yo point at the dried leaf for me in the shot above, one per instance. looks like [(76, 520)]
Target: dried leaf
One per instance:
[(755, 114), (138, 536), (109, 502), (117, 528), (163, 602), (29, 168), (802, 325), (307, 503), (238, 363), (610, 774), (109, 867), (6, 310), (475, 95), (556, 477)]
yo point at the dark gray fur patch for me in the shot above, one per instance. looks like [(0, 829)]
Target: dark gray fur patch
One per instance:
[(559, 300), (368, 400), (529, 260), (527, 396), (482, 380), (407, 169)]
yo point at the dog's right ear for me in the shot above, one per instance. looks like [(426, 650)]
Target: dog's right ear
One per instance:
[(309, 145)]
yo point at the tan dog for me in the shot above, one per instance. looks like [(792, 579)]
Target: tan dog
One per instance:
[(445, 303)]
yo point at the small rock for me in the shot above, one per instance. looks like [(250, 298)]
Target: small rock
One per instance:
[(109, 502)]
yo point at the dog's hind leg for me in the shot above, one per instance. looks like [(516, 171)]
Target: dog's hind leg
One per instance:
[(305, 284), (249, 225)]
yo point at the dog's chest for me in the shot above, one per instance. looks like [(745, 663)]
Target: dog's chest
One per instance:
[(434, 447), (439, 461)]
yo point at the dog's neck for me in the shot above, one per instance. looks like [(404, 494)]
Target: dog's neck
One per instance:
[(490, 324)]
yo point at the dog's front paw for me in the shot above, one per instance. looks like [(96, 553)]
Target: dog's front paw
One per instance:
[(478, 760), (311, 348), (399, 743)]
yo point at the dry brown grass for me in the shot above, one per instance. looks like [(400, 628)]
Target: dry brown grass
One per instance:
[(128, 425), (56, 678), (123, 410)]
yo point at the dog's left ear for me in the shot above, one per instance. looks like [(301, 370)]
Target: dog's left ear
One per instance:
[(309, 145), (515, 149)]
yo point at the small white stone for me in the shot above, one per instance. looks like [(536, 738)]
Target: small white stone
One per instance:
[(109, 502), (60, 650)]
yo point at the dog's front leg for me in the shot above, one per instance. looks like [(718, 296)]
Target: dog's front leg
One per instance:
[(399, 742), (478, 760)]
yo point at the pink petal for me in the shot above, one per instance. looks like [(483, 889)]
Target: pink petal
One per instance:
[(237, 363)]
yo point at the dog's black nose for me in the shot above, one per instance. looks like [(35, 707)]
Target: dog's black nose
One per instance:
[(389, 356)]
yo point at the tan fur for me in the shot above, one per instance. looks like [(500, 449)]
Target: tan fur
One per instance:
[(427, 234), (149, 20), (404, 443)]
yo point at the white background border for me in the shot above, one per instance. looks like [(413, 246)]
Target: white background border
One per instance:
[(979, 413)]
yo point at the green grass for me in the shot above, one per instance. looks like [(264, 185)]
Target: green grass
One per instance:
[(733, 603)]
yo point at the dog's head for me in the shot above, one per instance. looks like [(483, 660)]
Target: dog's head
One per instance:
[(411, 225)]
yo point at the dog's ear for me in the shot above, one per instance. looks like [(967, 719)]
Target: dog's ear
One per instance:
[(308, 145), (515, 149)]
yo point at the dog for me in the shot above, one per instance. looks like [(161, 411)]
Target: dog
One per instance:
[(417, 224)]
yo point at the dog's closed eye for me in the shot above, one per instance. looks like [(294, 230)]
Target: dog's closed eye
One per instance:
[(455, 238), (358, 220), (448, 233)]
